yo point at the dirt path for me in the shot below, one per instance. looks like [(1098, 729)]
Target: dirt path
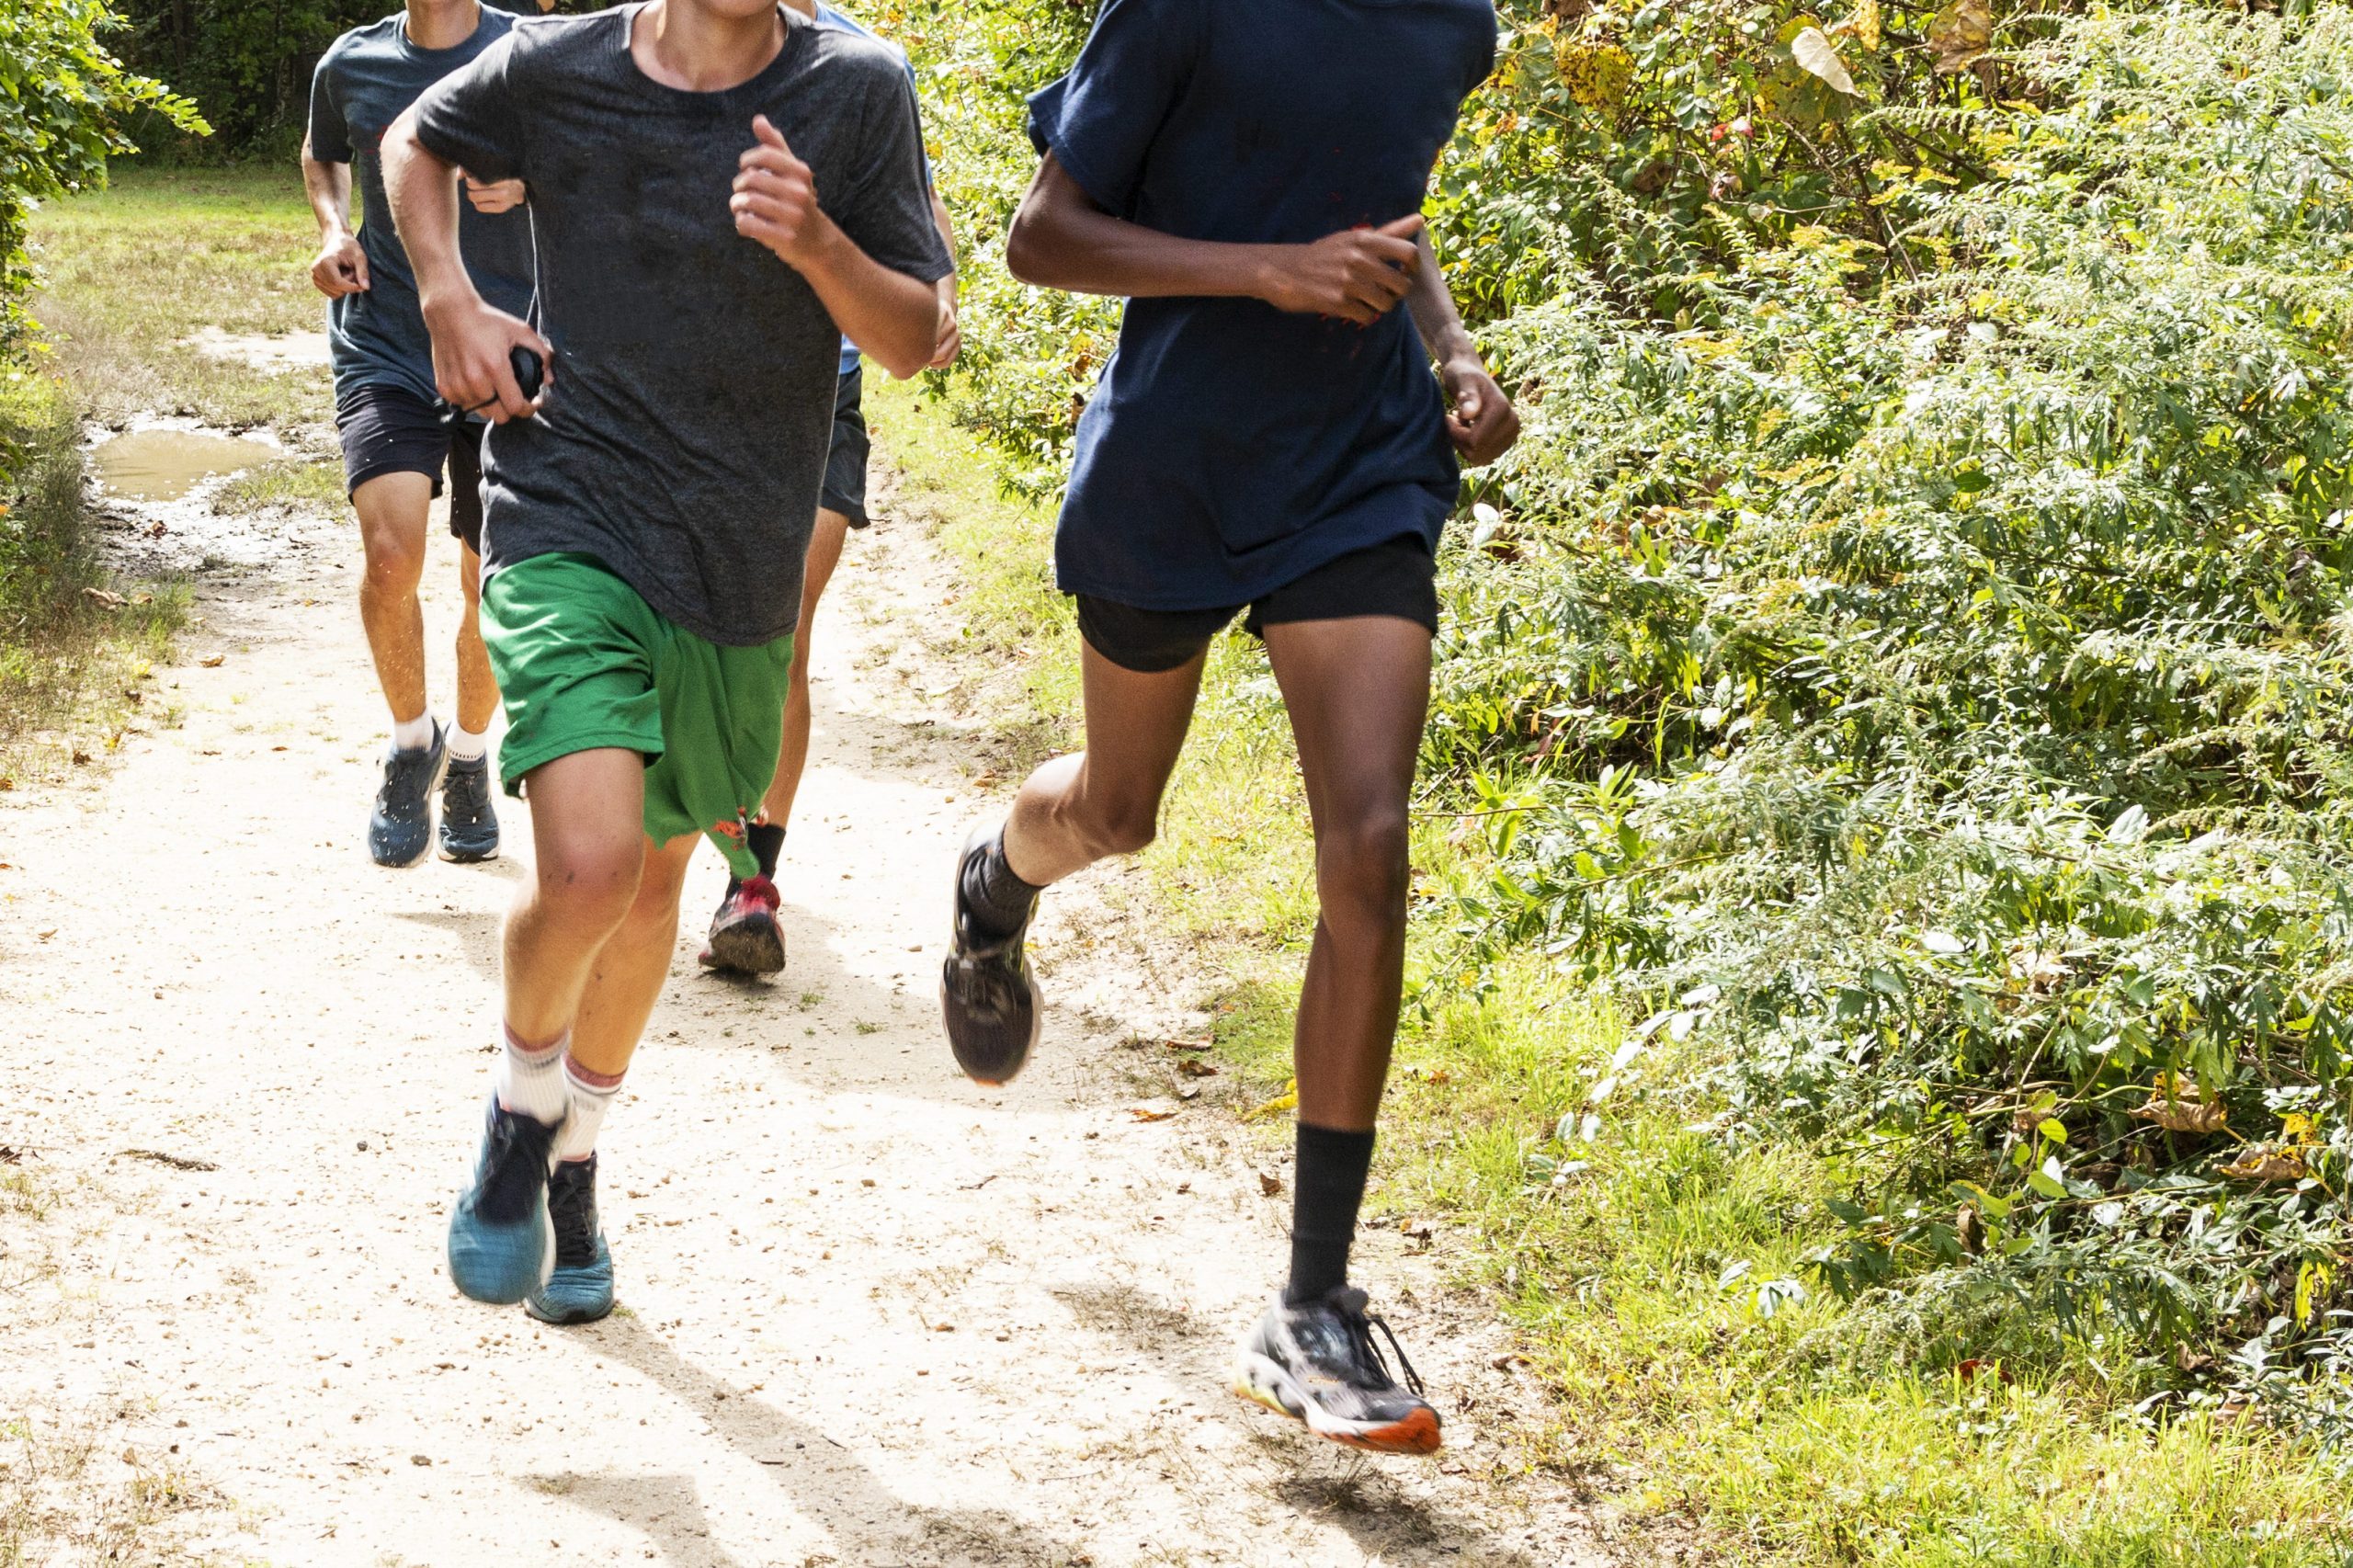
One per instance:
[(871, 1315)]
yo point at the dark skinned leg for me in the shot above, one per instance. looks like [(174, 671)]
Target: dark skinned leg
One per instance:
[(1104, 800), (1357, 691)]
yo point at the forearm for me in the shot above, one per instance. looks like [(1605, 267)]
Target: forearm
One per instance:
[(423, 191), (946, 288), (1061, 240), (1435, 315), (329, 187), (893, 317)]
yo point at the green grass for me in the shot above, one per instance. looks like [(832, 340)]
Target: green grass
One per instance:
[(1754, 1423), (130, 273)]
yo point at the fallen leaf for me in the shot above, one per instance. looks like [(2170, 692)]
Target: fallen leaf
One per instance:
[(1505, 1363), (45, 936), (420, 1460), (1188, 1092), (2177, 1115), (103, 599), (1149, 1113), (1817, 58), (2264, 1162), (1288, 1100), (1193, 1069), (215, 661), (1269, 1184), (1186, 1044), (1959, 34), (80, 756)]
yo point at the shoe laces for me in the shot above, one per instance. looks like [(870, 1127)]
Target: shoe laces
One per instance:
[(1369, 1365), (571, 1207)]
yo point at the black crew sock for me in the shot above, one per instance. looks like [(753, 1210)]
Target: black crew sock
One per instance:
[(1326, 1190), (766, 840), (998, 901)]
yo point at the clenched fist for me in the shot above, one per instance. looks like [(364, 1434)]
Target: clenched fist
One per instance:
[(775, 199), (1358, 275), (341, 268)]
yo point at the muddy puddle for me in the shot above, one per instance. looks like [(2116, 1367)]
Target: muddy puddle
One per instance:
[(164, 465)]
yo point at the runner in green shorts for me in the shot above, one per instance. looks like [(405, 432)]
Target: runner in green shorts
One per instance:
[(646, 513)]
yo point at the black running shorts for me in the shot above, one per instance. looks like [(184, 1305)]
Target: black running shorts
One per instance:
[(1396, 579), (389, 429), (845, 489)]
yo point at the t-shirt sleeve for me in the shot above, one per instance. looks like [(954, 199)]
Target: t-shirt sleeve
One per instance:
[(469, 118), (886, 210), (330, 134), (1099, 120)]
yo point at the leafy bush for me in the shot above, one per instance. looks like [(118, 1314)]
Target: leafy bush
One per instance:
[(1906, 657), (61, 119)]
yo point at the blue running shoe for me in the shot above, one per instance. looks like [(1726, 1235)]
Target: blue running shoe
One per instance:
[(401, 831), (581, 1288), (469, 822), (502, 1245)]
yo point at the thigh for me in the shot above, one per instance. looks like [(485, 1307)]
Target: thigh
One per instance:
[(1357, 691), (392, 507), (390, 432), (587, 812), (1136, 722)]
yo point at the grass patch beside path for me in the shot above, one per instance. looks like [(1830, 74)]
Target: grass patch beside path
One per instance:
[(1652, 1267), (75, 652), (132, 273), (129, 274)]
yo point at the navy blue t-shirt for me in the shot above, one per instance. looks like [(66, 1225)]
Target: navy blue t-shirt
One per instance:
[(364, 83), (1232, 447)]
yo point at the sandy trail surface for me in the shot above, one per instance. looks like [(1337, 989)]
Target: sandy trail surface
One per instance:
[(870, 1314)]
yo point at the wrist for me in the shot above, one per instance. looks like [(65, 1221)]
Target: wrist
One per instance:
[(442, 298), (1269, 274)]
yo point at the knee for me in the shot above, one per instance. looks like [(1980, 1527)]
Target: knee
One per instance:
[(1363, 868), (589, 884), (1115, 827), (393, 567)]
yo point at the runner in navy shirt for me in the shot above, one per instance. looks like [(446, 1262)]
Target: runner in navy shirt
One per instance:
[(395, 442), (1269, 438)]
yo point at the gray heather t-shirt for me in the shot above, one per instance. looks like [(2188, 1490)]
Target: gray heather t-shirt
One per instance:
[(363, 82), (683, 441)]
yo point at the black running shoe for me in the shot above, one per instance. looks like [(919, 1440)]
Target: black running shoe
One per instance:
[(988, 998), (580, 1289), (746, 937), (399, 831), (469, 821), (1317, 1363)]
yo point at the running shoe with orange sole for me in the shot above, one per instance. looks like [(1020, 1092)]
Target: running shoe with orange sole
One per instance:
[(1317, 1364)]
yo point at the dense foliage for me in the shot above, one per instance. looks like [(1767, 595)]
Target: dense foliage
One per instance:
[(61, 118), (1905, 659)]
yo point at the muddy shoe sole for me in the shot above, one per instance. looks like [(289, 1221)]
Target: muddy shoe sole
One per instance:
[(747, 947)]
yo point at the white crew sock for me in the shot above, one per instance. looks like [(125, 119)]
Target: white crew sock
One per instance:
[(529, 1080), (587, 1095), (414, 734), (465, 745)]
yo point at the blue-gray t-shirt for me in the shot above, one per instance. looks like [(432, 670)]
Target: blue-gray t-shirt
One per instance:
[(363, 83), (1232, 447), (828, 18)]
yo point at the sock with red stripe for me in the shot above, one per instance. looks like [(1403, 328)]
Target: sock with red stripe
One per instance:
[(529, 1078), (587, 1096)]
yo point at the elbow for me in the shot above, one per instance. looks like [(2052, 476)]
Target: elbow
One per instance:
[(909, 359), (1028, 246)]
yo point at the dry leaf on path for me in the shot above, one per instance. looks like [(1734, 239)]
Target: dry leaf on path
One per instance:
[(1269, 1184), (215, 661), (1186, 1044), (1275, 1107), (1192, 1068), (1149, 1113)]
